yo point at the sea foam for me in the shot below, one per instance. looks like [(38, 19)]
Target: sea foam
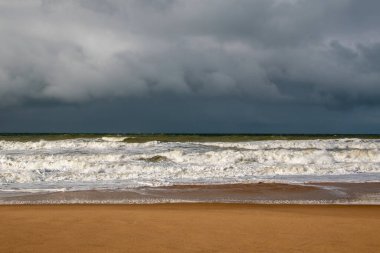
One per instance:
[(109, 162)]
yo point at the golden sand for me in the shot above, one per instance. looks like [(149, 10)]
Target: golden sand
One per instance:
[(189, 228)]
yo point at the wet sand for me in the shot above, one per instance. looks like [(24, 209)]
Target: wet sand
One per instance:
[(364, 193), (189, 228)]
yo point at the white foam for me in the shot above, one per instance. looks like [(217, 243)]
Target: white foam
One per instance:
[(108, 162), (117, 139)]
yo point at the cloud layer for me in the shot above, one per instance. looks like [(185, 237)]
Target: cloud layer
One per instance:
[(263, 52)]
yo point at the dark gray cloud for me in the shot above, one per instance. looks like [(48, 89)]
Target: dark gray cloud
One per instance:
[(249, 57)]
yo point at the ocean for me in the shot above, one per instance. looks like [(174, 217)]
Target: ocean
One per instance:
[(155, 168)]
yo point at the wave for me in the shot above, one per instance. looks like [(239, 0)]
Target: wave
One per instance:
[(117, 139), (111, 162)]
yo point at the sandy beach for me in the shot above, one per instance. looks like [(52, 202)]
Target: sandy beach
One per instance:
[(189, 228), (260, 193)]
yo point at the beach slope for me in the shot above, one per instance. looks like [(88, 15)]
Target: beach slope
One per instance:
[(189, 228)]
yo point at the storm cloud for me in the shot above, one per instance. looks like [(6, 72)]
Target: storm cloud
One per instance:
[(277, 55)]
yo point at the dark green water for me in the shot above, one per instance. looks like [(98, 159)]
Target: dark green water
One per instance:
[(139, 138)]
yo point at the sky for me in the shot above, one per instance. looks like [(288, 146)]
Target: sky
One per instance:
[(190, 66)]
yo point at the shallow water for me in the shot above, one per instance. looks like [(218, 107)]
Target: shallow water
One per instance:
[(112, 163)]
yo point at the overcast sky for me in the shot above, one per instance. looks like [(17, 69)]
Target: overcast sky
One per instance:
[(252, 66)]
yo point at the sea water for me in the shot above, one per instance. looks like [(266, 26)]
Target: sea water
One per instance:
[(111, 162)]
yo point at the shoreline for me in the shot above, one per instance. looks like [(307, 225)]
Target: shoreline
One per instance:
[(258, 193)]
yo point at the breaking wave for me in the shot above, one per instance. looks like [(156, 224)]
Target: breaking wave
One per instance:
[(109, 162)]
